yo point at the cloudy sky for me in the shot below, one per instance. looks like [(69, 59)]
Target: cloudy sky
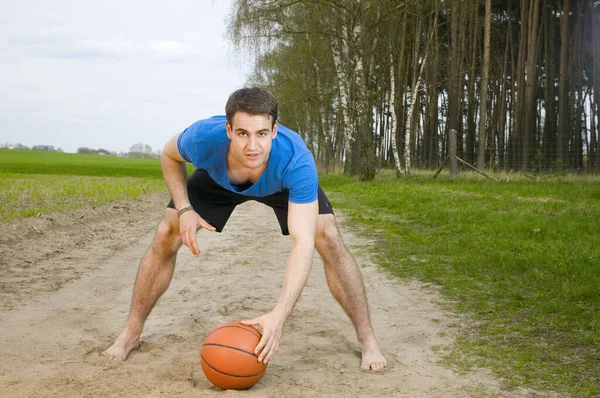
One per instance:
[(112, 73)]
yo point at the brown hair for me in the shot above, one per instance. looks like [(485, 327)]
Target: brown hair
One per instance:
[(252, 100)]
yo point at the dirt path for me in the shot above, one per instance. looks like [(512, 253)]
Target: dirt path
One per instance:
[(65, 286)]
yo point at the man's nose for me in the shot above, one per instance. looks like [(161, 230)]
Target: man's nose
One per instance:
[(252, 142)]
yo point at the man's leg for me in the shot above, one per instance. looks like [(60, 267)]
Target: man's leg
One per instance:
[(346, 285), (153, 278)]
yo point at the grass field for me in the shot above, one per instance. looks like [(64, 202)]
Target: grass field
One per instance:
[(71, 164), (521, 259), (33, 182)]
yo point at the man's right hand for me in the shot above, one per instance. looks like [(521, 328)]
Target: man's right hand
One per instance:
[(189, 224)]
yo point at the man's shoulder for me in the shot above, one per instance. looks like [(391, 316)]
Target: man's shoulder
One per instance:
[(300, 175), (289, 133), (294, 153), (289, 143), (213, 125), (203, 140)]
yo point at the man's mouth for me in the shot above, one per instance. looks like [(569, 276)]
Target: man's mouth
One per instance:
[(252, 155)]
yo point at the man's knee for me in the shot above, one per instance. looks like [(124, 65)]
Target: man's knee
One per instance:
[(167, 232), (327, 237)]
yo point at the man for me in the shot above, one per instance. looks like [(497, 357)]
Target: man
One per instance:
[(247, 155)]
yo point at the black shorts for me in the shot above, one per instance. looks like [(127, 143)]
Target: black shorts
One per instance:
[(215, 204)]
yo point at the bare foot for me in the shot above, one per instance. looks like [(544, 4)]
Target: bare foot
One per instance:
[(372, 358), (125, 343)]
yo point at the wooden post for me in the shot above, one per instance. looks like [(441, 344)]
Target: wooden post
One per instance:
[(475, 168), (452, 154), (441, 167)]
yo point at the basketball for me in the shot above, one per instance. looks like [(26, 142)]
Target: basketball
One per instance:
[(227, 357)]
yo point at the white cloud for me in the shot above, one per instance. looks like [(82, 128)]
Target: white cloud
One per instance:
[(110, 74), (110, 49), (170, 48)]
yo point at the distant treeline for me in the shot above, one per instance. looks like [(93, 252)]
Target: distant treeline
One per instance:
[(139, 150), (44, 148), (375, 83)]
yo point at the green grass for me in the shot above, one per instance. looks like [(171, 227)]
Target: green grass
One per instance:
[(38, 162), (24, 195), (33, 182), (521, 258)]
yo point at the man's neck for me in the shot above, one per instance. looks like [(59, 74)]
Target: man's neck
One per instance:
[(238, 174)]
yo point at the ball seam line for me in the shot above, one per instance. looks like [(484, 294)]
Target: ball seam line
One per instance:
[(228, 346), (230, 375), (257, 334)]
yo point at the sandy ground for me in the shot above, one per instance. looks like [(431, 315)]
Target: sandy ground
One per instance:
[(66, 281)]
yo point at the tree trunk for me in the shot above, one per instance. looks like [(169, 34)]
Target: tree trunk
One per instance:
[(503, 103), (595, 116), (414, 95), (528, 120), (433, 121), (394, 115), (563, 79), (401, 96), (519, 108), (577, 67), (484, 85), (339, 51), (454, 77), (365, 168), (462, 59), (472, 102), (549, 141)]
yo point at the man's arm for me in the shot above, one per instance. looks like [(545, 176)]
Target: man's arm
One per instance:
[(302, 224), (175, 173)]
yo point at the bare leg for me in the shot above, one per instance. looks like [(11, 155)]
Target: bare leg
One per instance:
[(346, 285), (153, 278)]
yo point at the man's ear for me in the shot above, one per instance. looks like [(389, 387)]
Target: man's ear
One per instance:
[(228, 128), (275, 126)]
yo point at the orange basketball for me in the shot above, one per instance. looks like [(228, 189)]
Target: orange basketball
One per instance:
[(228, 359)]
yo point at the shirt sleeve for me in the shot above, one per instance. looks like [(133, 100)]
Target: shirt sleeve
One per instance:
[(182, 144), (302, 180), (191, 143)]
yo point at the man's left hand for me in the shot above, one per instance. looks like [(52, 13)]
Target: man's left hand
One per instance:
[(272, 328)]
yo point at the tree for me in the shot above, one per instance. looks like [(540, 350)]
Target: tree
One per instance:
[(484, 86), (454, 76), (84, 150), (140, 147), (563, 98), (44, 148), (519, 86)]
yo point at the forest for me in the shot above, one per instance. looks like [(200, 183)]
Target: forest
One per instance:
[(508, 85)]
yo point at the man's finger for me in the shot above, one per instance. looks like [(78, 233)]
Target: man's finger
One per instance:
[(260, 346), (271, 349), (264, 355), (206, 226), (266, 352), (190, 241), (184, 239), (194, 247)]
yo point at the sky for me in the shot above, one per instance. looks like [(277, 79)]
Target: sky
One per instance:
[(112, 73)]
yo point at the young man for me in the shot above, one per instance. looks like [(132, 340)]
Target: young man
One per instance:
[(247, 155)]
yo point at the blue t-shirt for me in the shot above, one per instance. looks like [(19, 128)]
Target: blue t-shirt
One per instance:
[(290, 166)]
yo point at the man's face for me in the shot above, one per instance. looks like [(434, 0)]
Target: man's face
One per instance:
[(251, 139)]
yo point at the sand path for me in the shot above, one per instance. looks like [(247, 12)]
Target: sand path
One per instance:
[(65, 286)]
